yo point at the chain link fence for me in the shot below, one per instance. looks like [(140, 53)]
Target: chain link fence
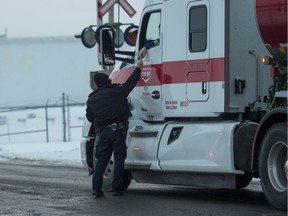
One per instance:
[(61, 120)]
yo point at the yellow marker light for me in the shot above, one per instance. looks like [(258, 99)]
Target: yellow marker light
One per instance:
[(282, 49), (268, 60)]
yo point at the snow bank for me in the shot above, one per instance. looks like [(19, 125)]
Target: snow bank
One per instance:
[(55, 153)]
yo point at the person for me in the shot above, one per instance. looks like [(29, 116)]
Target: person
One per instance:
[(143, 51), (108, 110)]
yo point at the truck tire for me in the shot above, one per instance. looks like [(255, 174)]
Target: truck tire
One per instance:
[(108, 177), (273, 165)]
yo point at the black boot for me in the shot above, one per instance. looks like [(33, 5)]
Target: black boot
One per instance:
[(97, 194)]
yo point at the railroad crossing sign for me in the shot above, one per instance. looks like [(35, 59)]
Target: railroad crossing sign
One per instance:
[(109, 4)]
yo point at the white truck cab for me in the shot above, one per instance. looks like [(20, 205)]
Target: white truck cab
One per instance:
[(204, 109)]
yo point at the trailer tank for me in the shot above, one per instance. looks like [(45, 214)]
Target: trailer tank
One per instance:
[(272, 22)]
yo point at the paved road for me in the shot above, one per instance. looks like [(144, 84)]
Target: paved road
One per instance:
[(32, 190)]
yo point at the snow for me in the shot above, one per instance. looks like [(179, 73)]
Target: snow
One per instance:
[(55, 153), (33, 147)]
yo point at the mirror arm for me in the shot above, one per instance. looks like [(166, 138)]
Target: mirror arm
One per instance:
[(131, 61), (129, 53)]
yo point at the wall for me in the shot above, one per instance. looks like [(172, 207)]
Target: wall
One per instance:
[(33, 70)]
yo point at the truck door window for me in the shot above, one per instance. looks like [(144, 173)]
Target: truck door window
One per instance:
[(198, 28), (150, 30)]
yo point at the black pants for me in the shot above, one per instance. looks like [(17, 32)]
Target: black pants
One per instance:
[(109, 141)]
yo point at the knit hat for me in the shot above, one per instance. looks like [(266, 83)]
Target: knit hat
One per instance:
[(101, 80)]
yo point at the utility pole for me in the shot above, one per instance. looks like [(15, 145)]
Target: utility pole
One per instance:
[(111, 16)]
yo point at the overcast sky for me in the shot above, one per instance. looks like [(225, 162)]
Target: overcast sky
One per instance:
[(34, 18)]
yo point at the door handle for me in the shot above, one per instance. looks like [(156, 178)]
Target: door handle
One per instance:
[(204, 87), (155, 94)]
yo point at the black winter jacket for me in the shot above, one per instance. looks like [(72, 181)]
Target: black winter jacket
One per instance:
[(109, 104)]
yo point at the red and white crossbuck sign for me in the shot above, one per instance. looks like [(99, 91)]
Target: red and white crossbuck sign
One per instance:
[(123, 3)]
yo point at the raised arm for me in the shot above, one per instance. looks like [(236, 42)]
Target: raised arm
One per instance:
[(133, 79)]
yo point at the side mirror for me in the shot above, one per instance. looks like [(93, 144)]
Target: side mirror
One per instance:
[(107, 46)]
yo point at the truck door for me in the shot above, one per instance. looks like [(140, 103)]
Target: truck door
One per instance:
[(148, 93), (187, 89), (198, 52)]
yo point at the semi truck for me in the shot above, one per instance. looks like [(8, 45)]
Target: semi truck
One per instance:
[(210, 108)]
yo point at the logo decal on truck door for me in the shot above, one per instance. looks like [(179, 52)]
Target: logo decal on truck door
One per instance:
[(146, 74)]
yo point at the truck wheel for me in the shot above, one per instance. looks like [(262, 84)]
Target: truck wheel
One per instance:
[(273, 165), (243, 181), (108, 177)]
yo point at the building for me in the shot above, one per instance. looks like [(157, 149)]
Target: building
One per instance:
[(34, 71)]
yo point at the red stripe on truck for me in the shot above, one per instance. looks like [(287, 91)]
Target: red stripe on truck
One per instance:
[(175, 72)]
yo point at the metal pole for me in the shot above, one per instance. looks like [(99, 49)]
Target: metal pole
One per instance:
[(8, 129), (111, 21), (111, 16), (68, 118), (99, 17), (47, 125), (64, 117), (99, 23)]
